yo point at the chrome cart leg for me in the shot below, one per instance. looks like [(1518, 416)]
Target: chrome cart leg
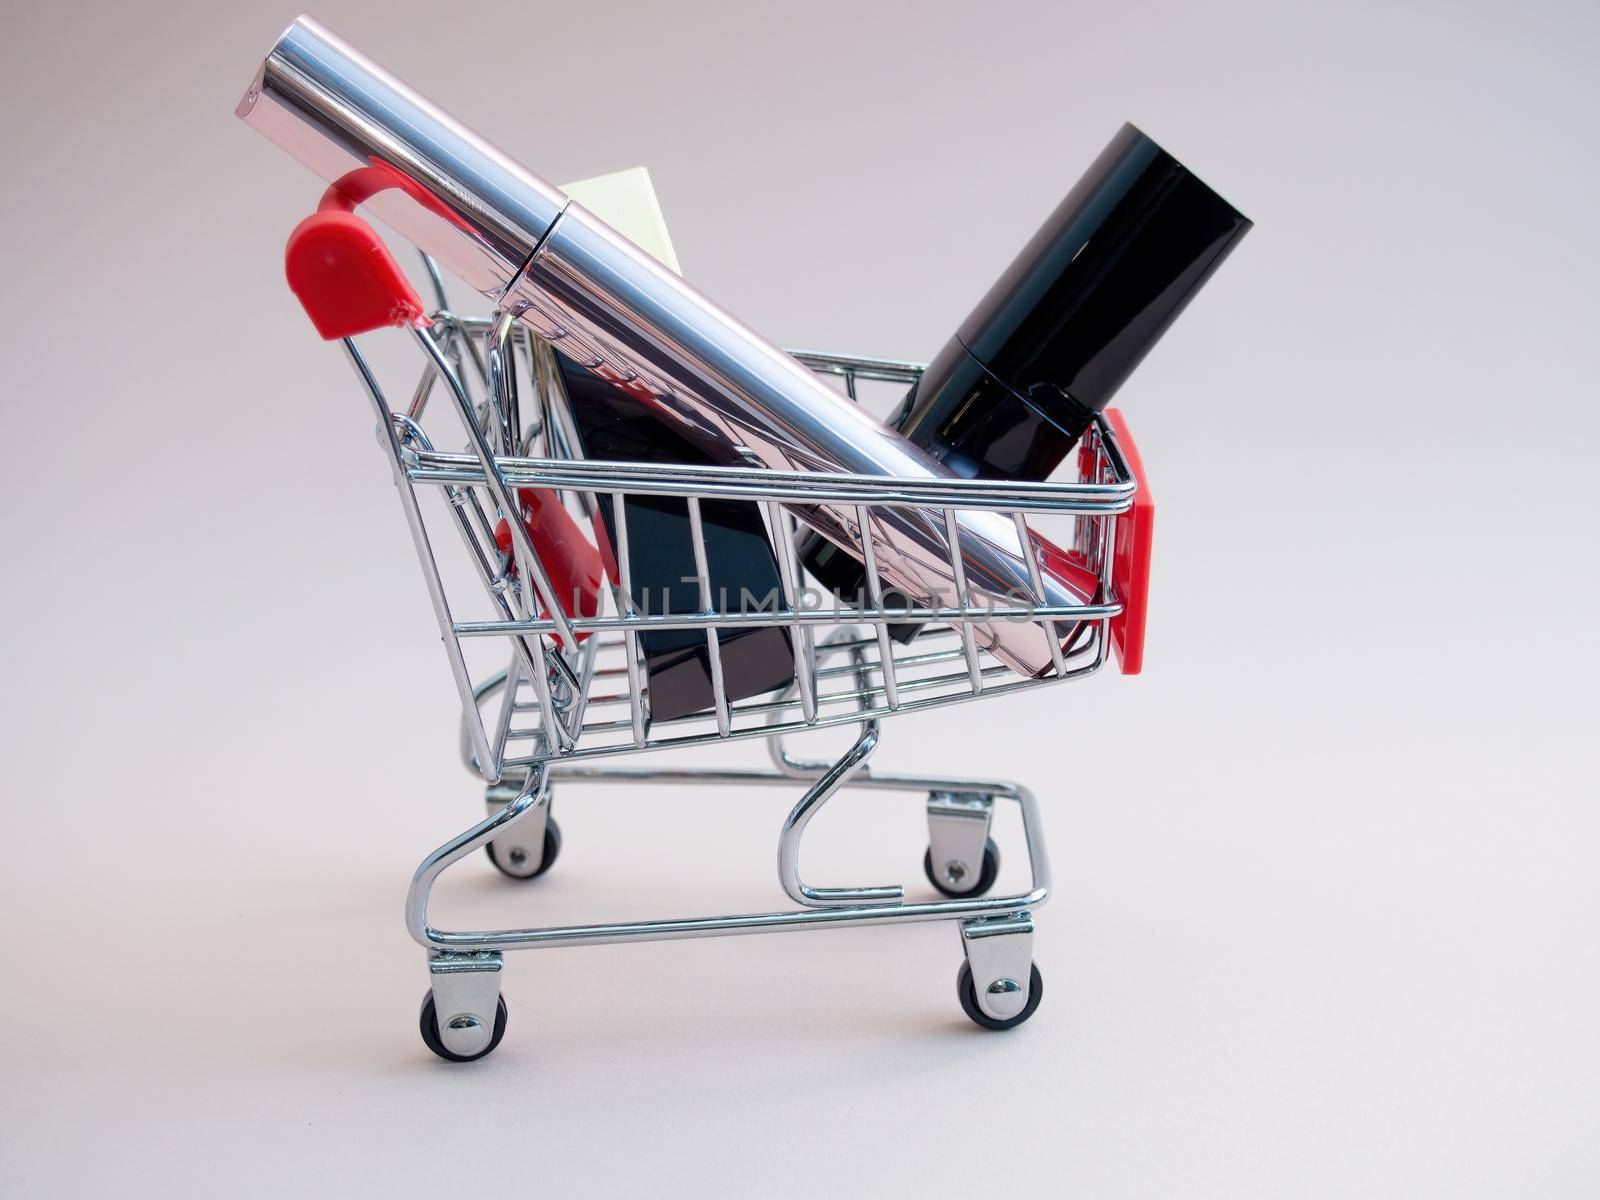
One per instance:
[(463, 1014), (998, 984), (528, 848), (824, 789), (962, 859)]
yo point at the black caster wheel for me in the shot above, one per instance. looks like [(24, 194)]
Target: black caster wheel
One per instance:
[(552, 848), (429, 1023), (987, 874), (969, 998)]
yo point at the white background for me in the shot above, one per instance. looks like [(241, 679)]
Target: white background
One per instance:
[(1326, 916)]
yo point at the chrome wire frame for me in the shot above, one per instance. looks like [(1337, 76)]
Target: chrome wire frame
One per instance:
[(562, 700), (543, 718), (838, 906)]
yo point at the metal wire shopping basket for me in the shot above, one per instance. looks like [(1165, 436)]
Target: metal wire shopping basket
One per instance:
[(571, 689)]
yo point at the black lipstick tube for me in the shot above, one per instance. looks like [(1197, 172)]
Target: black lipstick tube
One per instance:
[(1077, 310)]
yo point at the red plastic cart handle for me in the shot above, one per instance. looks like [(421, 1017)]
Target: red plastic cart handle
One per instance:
[(339, 268), (1130, 556)]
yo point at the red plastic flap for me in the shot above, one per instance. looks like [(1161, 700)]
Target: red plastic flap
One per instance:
[(570, 559), (1130, 557), (345, 277)]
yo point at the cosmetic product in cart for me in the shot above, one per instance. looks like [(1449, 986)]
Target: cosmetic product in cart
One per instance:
[(621, 316), (615, 425), (1022, 378)]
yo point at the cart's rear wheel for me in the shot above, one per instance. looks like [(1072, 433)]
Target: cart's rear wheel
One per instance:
[(429, 1024), (957, 889), (514, 865), (969, 998)]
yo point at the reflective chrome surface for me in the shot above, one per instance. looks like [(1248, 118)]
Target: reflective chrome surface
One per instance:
[(449, 192), (616, 311), (620, 314), (519, 852), (565, 698), (1000, 953), (851, 677), (811, 916), (560, 701), (958, 831), (466, 990)]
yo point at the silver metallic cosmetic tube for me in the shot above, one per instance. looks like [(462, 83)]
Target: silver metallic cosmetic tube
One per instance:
[(610, 307)]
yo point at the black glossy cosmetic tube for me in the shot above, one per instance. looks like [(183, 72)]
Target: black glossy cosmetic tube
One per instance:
[(1077, 310), (617, 426)]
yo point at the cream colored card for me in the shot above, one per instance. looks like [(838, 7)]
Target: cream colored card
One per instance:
[(626, 201)]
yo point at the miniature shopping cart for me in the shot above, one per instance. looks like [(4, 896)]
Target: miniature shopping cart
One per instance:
[(567, 691)]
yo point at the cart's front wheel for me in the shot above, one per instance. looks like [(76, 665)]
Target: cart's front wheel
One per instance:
[(429, 1024), (515, 863), (953, 880), (969, 998)]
